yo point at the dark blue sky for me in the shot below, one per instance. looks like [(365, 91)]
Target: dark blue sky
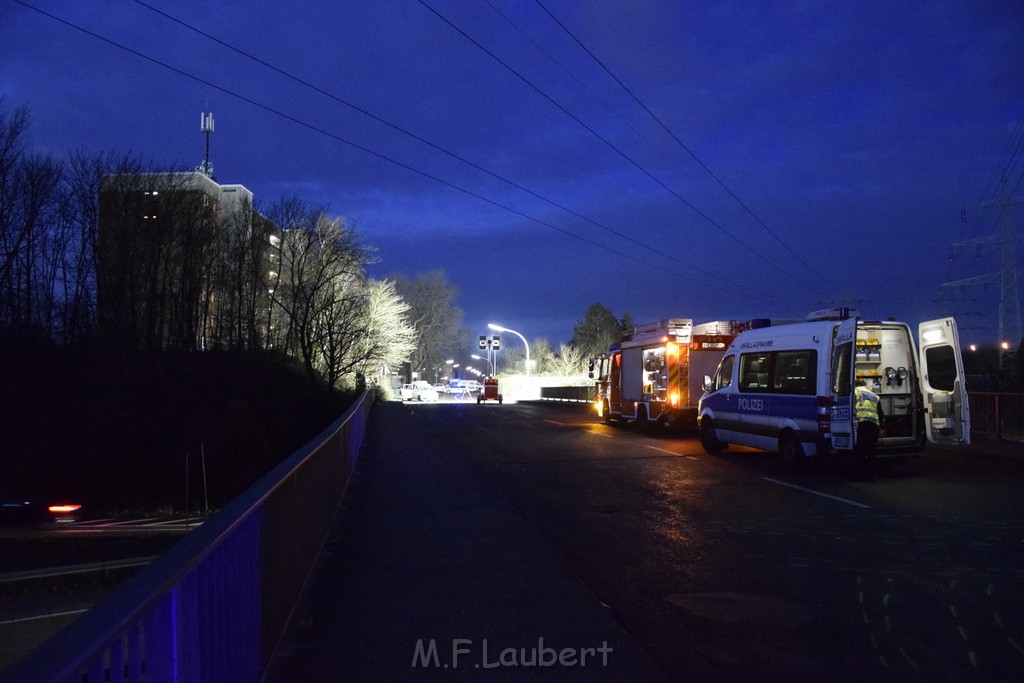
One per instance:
[(853, 133)]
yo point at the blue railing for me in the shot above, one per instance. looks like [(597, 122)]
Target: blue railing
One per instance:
[(214, 607)]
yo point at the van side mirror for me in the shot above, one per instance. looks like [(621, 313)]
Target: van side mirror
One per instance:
[(706, 385)]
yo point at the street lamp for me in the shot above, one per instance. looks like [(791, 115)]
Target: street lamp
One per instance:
[(490, 366), (437, 368), (499, 328)]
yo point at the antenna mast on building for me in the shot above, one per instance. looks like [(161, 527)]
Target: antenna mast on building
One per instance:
[(206, 126)]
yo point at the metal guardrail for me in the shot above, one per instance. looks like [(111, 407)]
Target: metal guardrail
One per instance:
[(215, 606), (584, 394), (76, 569), (997, 415)]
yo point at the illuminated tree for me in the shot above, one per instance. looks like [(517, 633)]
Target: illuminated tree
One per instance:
[(390, 339), (569, 361)]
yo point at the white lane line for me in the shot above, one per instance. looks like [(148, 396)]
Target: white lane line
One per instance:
[(662, 450), (609, 436), (555, 423), (818, 493), (123, 522), (41, 616)]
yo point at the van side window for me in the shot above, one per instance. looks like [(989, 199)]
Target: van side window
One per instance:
[(795, 372), (754, 369), (941, 367), (723, 377)]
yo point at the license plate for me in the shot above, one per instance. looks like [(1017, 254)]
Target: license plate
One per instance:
[(841, 442)]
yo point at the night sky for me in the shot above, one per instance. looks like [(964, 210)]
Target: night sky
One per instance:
[(711, 160)]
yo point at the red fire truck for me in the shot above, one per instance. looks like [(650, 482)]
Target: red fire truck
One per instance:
[(653, 377)]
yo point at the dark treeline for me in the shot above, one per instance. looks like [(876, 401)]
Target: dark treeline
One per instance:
[(108, 252)]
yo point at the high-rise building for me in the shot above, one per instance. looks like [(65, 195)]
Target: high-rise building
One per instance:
[(181, 263)]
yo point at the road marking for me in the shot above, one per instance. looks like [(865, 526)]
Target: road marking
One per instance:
[(818, 493), (41, 616), (555, 423), (182, 520), (126, 521), (662, 450)]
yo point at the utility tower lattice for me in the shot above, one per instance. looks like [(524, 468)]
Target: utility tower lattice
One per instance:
[(206, 127), (1006, 276)]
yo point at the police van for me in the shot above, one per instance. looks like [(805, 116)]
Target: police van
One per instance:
[(790, 387)]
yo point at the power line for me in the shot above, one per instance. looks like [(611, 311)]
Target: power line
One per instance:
[(419, 138), (1007, 160), (680, 142), (288, 117), (583, 85), (625, 156)]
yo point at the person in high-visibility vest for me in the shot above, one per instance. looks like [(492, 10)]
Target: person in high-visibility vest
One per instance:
[(868, 414)]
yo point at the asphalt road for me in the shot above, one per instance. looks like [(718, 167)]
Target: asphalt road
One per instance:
[(723, 567)]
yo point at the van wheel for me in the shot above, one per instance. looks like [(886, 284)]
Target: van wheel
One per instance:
[(708, 438), (792, 453)]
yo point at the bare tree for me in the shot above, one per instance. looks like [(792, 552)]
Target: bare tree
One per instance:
[(390, 339), (434, 316), (25, 273), (320, 289), (13, 230), (569, 361), (155, 259), (237, 293), (29, 209)]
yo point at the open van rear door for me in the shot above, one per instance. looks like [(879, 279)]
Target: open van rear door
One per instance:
[(844, 431), (948, 413)]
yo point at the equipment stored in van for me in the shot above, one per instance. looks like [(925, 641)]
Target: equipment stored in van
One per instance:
[(791, 387), (653, 376)]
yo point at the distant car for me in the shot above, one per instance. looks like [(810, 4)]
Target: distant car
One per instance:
[(441, 388), (463, 386), (422, 391), (26, 510)]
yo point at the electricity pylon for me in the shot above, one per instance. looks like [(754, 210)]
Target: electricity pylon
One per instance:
[(1006, 276)]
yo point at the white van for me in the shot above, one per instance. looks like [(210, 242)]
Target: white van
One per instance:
[(789, 387)]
